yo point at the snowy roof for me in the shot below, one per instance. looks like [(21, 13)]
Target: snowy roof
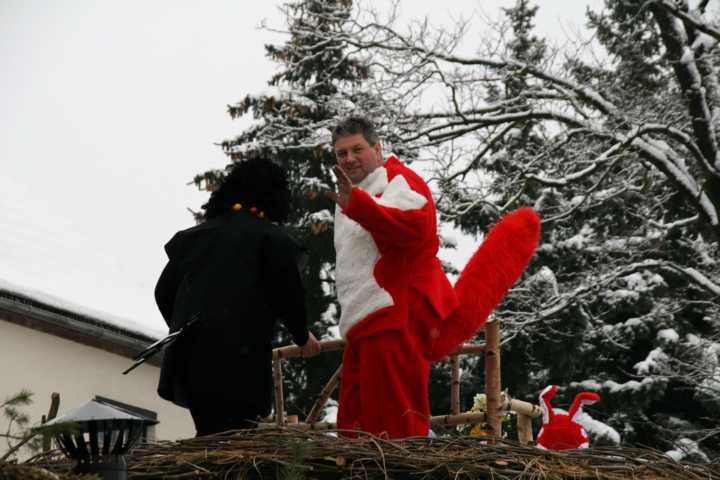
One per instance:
[(51, 301), (53, 315)]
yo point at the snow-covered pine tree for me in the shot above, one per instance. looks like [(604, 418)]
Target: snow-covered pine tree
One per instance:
[(626, 281), (485, 175), (660, 317), (622, 297)]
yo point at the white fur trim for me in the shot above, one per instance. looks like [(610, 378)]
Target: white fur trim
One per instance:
[(544, 405), (357, 254), (579, 411), (539, 437), (398, 194), (376, 182), (357, 290)]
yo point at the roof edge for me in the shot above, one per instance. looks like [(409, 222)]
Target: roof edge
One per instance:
[(28, 312)]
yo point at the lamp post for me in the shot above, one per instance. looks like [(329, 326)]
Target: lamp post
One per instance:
[(103, 437)]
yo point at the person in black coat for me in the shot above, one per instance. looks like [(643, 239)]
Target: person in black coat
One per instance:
[(231, 277)]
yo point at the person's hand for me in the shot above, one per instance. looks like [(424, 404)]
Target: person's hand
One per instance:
[(311, 348), (342, 196)]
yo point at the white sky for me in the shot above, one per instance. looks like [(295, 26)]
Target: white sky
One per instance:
[(108, 109)]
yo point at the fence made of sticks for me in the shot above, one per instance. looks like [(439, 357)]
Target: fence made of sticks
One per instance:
[(497, 402)]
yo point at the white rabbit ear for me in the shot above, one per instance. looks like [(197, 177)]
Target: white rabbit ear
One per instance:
[(545, 396), (582, 398)]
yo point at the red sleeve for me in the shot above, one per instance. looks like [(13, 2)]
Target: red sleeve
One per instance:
[(401, 217)]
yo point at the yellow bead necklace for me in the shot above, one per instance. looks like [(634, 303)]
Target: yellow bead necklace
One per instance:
[(258, 213)]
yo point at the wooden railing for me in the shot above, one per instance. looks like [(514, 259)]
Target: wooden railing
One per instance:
[(497, 403)]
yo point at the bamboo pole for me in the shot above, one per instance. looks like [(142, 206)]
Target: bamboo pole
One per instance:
[(324, 395), (521, 407), (470, 349), (524, 427), (492, 376), (455, 385), (447, 420), (279, 399), (52, 413), (460, 419), (525, 413), (290, 351), (295, 351)]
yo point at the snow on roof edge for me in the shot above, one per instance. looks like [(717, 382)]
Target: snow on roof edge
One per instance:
[(73, 308)]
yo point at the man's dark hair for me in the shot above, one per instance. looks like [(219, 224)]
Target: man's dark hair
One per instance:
[(257, 182), (352, 126)]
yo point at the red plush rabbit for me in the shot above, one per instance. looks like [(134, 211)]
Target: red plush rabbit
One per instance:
[(561, 431)]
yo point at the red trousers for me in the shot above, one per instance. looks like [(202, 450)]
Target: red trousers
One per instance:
[(384, 386)]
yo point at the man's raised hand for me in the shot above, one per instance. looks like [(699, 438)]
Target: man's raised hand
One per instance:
[(342, 196)]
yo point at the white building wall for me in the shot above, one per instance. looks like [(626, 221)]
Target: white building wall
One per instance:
[(44, 363)]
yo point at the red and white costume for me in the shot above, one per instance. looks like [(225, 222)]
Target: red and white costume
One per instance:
[(399, 310), (386, 273), (562, 431)]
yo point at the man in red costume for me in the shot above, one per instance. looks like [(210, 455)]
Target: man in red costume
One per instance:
[(398, 310)]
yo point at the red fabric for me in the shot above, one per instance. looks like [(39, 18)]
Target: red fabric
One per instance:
[(385, 365), (561, 431), (582, 398), (384, 387), (562, 434), (487, 277), (408, 266)]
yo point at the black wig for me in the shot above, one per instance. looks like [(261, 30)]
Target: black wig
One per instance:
[(257, 182)]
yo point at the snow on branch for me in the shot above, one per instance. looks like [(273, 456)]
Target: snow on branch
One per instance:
[(685, 139), (691, 81), (689, 273), (581, 174), (686, 17)]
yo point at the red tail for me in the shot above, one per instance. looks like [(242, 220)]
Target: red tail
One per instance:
[(487, 277)]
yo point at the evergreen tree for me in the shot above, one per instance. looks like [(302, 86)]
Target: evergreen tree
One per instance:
[(17, 432), (653, 327), (620, 240), (620, 160), (19, 437), (518, 143)]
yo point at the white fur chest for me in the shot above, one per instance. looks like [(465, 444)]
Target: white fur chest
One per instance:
[(358, 292)]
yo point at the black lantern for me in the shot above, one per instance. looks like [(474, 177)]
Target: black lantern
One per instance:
[(103, 437)]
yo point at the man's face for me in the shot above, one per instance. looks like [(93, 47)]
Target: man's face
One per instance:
[(357, 157)]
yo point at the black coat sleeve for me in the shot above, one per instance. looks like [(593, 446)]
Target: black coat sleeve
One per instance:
[(282, 277), (166, 290)]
